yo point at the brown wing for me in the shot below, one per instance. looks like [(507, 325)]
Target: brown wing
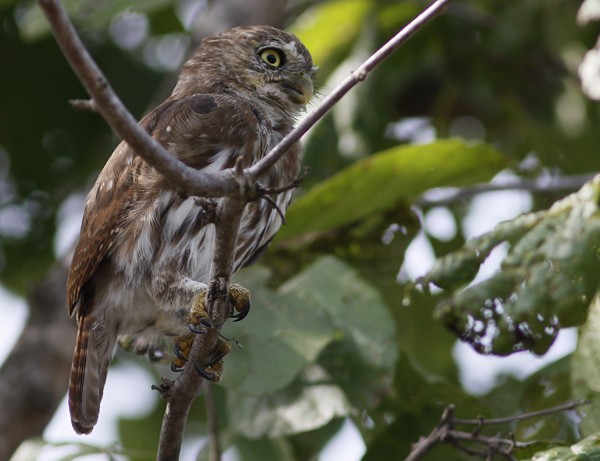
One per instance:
[(195, 129), (103, 208)]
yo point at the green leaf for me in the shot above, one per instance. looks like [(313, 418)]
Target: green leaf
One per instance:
[(382, 180), (300, 408), (290, 327), (280, 337), (587, 449), (275, 386), (585, 374), (546, 281)]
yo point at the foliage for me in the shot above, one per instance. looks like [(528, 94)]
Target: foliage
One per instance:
[(335, 333), (587, 449), (547, 280)]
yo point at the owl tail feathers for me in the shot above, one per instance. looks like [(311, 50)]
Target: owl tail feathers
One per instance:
[(88, 375)]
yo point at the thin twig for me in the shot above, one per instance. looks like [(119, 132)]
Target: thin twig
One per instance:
[(539, 185), (437, 435), (444, 432), (349, 82), (532, 414)]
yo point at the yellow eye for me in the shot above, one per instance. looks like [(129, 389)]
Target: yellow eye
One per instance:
[(272, 57)]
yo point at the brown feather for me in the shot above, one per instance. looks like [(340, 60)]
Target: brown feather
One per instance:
[(144, 250), (77, 382)]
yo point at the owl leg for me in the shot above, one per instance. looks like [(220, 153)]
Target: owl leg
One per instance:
[(239, 298)]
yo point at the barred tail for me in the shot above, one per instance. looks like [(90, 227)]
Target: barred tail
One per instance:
[(88, 375)]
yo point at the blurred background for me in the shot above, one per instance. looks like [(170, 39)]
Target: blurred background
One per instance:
[(341, 358)]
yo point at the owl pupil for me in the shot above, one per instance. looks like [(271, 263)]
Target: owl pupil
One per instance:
[(272, 58)]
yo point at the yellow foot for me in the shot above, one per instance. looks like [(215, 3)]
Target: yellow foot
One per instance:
[(239, 297)]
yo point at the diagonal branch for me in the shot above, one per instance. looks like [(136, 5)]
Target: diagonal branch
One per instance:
[(532, 414), (120, 119), (347, 84), (537, 185)]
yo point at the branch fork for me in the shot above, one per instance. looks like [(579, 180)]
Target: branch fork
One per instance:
[(445, 432)]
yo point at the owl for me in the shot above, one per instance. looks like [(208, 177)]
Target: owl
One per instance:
[(145, 248)]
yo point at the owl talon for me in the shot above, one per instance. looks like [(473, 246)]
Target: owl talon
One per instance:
[(214, 376), (210, 376), (179, 353), (175, 368), (240, 316), (240, 300), (194, 327)]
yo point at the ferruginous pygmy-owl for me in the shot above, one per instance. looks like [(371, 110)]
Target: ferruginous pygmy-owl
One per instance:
[(144, 251)]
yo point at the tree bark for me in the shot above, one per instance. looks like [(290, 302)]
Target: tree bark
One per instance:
[(35, 376)]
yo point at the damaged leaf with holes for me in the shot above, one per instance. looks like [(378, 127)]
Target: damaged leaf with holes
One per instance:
[(546, 281)]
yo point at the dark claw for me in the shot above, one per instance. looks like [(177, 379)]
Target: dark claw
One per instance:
[(206, 374), (216, 359), (178, 353), (176, 369), (194, 328), (242, 314)]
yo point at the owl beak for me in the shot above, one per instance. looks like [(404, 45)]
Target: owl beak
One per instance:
[(301, 89)]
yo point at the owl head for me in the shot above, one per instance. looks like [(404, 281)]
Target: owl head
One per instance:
[(253, 62)]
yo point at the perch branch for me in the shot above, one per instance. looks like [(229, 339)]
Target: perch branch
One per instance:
[(532, 414), (184, 389), (213, 422)]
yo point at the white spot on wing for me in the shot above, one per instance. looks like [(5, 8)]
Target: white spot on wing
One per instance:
[(219, 161)]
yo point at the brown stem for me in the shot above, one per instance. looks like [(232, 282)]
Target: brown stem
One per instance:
[(186, 386), (538, 185), (213, 423)]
